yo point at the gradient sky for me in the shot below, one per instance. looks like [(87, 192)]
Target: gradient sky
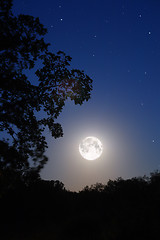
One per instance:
[(117, 43)]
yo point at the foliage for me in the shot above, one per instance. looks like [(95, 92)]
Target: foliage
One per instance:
[(121, 209), (27, 108)]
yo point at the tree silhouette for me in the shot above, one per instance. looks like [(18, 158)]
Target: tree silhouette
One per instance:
[(26, 108), (121, 209)]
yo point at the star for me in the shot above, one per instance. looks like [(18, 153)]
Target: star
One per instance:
[(149, 33), (61, 19)]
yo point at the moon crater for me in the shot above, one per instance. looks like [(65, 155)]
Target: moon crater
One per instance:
[(90, 148)]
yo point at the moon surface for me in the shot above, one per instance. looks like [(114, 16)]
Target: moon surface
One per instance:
[(90, 148)]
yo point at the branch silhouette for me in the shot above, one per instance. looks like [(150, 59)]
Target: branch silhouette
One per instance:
[(28, 107)]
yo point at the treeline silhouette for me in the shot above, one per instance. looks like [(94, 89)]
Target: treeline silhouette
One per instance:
[(34, 209), (121, 209)]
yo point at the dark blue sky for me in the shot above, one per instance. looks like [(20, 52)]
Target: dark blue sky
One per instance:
[(117, 43)]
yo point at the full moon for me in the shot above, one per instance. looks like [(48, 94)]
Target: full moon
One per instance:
[(90, 148)]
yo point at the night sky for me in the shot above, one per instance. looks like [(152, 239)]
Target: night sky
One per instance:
[(117, 43)]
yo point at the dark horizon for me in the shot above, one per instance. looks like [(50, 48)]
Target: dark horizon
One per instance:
[(122, 209), (79, 120)]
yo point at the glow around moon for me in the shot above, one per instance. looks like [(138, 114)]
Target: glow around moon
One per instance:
[(91, 148)]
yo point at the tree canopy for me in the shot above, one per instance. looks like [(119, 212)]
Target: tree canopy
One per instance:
[(22, 44), (119, 209)]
